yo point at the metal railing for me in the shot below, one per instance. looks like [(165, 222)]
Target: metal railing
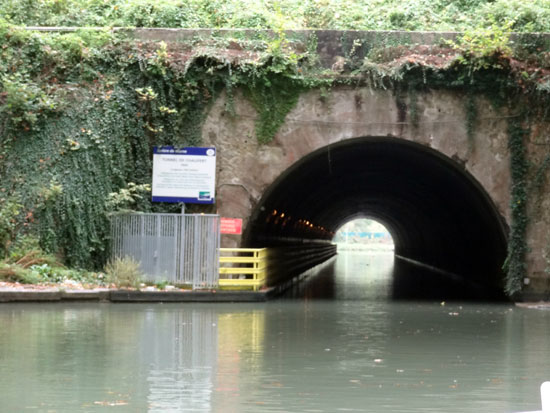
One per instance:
[(180, 249), (247, 267)]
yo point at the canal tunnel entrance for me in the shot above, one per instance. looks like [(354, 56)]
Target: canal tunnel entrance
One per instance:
[(440, 218)]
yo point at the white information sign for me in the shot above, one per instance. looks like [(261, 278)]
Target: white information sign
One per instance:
[(184, 175)]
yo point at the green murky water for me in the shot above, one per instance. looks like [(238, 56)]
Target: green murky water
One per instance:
[(360, 352)]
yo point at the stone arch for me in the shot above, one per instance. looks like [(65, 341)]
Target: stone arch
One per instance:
[(438, 214), (248, 172)]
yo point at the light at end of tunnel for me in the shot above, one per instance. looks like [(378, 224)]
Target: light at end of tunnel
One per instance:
[(364, 233)]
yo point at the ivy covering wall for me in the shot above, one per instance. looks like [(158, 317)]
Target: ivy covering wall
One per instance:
[(80, 112)]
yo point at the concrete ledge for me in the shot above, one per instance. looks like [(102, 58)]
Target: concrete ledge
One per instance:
[(188, 296), (53, 295), (18, 295), (101, 295), (540, 305), (533, 297)]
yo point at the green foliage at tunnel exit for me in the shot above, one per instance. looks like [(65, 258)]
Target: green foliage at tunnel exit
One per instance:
[(80, 112)]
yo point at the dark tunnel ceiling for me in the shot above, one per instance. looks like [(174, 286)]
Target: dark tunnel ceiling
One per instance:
[(435, 211)]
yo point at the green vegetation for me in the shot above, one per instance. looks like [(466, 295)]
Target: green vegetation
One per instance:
[(421, 15), (27, 263), (517, 246), (80, 111), (161, 285), (47, 274), (123, 272)]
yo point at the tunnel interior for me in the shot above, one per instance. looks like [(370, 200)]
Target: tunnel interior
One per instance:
[(438, 215)]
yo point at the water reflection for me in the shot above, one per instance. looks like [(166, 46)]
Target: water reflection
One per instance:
[(367, 355), (378, 275), (135, 358), (352, 275), (183, 359)]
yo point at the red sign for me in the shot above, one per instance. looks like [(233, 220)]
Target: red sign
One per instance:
[(231, 226)]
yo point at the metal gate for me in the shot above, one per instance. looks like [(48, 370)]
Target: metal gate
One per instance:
[(180, 249)]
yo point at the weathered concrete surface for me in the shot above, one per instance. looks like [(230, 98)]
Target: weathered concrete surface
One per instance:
[(330, 44), (348, 113), (80, 295), (246, 169), (538, 211), (195, 296), (10, 296), (55, 294)]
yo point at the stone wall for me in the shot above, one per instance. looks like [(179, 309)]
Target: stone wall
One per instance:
[(246, 169)]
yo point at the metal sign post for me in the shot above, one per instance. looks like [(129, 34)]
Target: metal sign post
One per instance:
[(188, 175)]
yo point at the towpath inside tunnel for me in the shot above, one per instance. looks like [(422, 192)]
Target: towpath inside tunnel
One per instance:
[(380, 276)]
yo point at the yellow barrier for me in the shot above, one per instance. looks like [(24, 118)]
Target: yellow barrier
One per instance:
[(248, 262)]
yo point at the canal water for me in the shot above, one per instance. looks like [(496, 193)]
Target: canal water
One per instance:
[(335, 344)]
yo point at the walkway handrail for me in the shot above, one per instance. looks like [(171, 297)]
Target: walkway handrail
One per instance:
[(243, 267)]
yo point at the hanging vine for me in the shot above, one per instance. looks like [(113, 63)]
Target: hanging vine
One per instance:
[(517, 246)]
